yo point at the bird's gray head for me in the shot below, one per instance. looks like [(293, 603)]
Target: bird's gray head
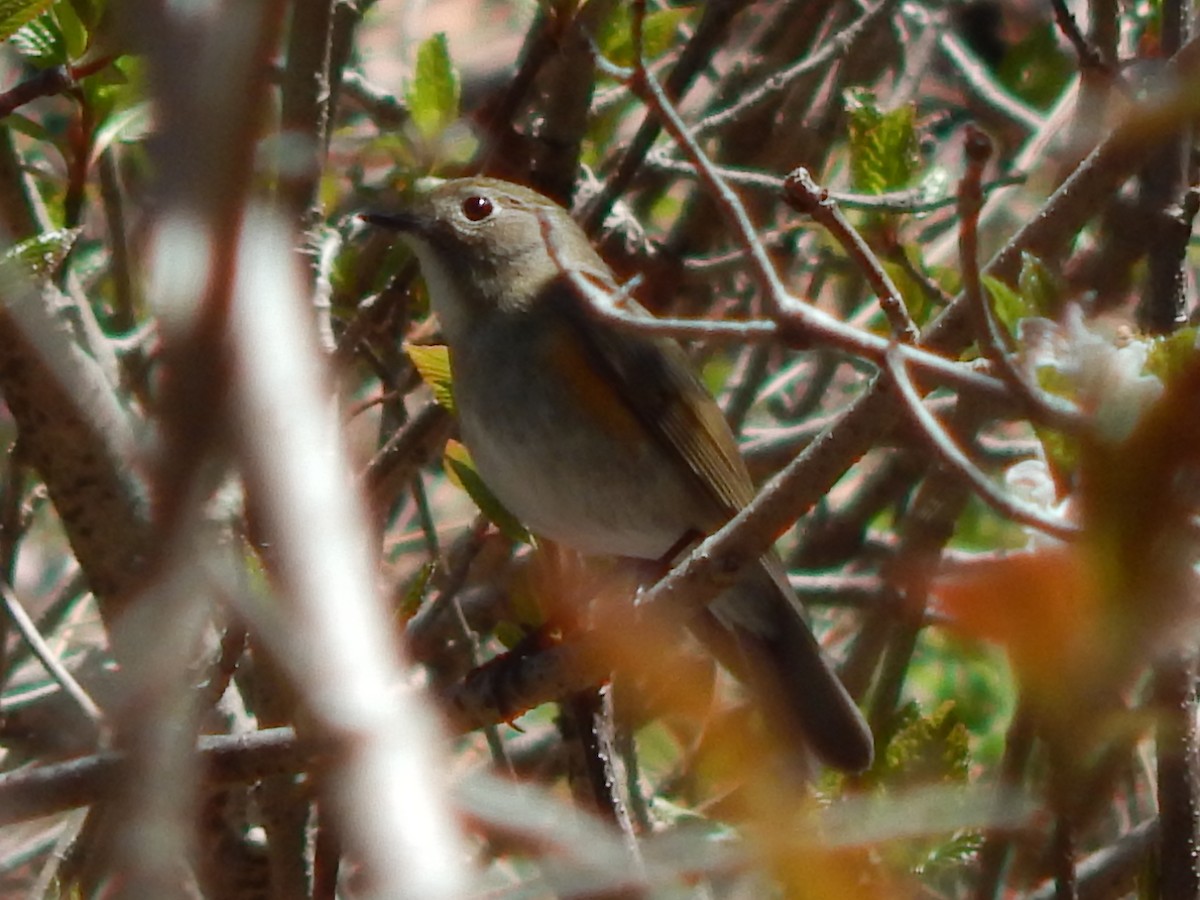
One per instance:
[(485, 244)]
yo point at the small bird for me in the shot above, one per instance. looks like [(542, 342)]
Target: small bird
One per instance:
[(603, 439)]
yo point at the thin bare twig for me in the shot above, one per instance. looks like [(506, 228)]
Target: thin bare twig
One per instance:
[(695, 56), (804, 195), (617, 308), (986, 88), (799, 321), (913, 201), (997, 849), (1106, 870), (1178, 776), (386, 110), (405, 451), (48, 659), (505, 687), (956, 459), (304, 107), (121, 265), (926, 528), (1089, 56), (830, 50), (226, 759), (1042, 406), (1170, 202), (50, 82)]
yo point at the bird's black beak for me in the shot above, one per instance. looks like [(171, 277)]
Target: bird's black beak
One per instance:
[(397, 221)]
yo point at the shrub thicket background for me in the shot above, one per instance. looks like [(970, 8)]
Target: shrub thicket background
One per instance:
[(248, 586)]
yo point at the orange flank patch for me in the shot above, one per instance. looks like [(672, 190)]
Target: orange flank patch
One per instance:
[(595, 393)]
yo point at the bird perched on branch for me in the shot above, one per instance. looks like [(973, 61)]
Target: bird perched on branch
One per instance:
[(602, 439)]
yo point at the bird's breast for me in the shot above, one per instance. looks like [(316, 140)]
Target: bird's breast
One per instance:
[(560, 449)]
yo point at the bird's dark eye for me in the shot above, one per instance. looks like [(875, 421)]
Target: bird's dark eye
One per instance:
[(477, 208)]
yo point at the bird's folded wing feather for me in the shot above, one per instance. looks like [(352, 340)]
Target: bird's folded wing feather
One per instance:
[(655, 381)]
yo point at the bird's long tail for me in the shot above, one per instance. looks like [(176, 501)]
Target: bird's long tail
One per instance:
[(762, 637)]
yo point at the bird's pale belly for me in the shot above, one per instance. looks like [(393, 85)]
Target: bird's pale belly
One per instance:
[(596, 491)]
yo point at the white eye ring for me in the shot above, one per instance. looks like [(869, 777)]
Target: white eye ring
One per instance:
[(477, 208)]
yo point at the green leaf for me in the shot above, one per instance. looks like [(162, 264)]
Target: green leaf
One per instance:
[(115, 89), (15, 14), (40, 42), (1054, 381), (1167, 356), (658, 750), (22, 124), (89, 12), (659, 30), (75, 32), (928, 748), (884, 150), (509, 634), (125, 125), (414, 592), (946, 862), (35, 259), (916, 298), (674, 815), (977, 677), (1010, 307), (716, 372), (432, 362), (1038, 286), (1036, 68), (1062, 451), (980, 528), (433, 94), (460, 469)]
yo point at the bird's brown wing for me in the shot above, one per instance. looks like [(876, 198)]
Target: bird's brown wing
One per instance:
[(757, 628), (661, 391)]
